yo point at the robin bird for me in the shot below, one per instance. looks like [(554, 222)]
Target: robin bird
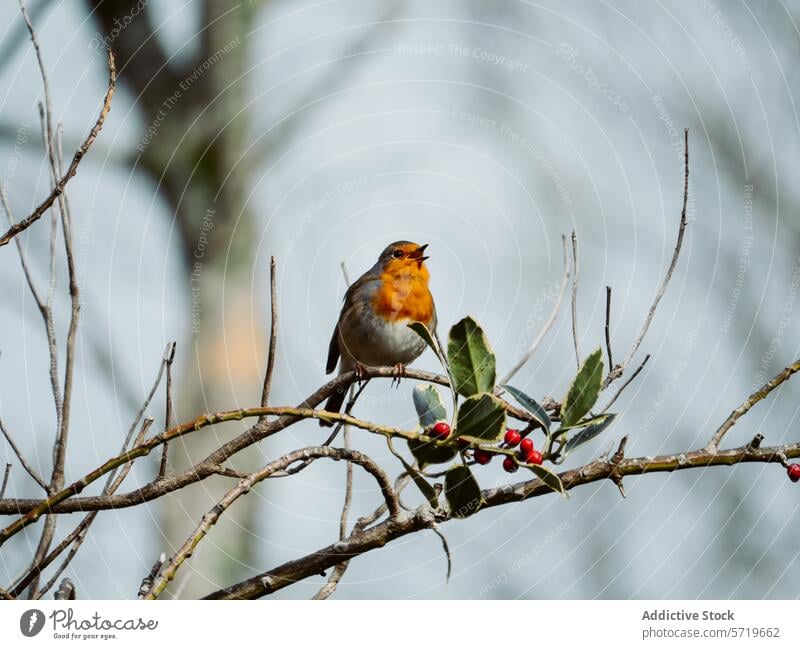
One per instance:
[(373, 326)]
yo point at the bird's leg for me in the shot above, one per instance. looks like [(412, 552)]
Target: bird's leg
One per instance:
[(399, 373)]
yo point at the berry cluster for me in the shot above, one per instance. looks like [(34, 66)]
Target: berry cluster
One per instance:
[(526, 454)]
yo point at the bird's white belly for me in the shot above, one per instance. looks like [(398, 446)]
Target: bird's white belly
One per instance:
[(382, 343)]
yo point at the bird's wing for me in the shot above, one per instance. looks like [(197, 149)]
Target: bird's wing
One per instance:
[(333, 347), (333, 351)]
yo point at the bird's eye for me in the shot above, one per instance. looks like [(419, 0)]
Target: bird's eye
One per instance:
[(397, 254)]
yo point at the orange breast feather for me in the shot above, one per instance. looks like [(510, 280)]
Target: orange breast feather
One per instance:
[(405, 296)]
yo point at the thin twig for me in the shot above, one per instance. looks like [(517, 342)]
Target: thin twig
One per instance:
[(6, 473), (25, 465), (627, 383), (168, 416), (446, 549), (23, 225), (79, 533), (575, 297), (608, 328), (212, 516), (752, 400), (547, 325), (23, 257), (338, 572), (616, 372), (273, 335)]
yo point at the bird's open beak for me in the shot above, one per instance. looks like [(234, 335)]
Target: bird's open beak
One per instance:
[(419, 254)]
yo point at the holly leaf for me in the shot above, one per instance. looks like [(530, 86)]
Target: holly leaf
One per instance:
[(531, 406), (548, 477), (481, 418), (587, 434), (423, 332), (428, 404), (584, 390), (429, 453), (472, 363), (462, 492)]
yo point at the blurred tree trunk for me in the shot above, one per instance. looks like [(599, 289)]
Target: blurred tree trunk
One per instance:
[(196, 108)]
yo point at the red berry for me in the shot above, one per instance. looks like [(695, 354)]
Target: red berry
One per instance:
[(512, 437), (534, 457), (526, 447), (509, 464), (794, 472), (482, 457), (462, 443), (441, 430)]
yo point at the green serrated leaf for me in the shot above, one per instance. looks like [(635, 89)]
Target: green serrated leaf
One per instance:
[(481, 418), (587, 434), (530, 405), (429, 453), (584, 390), (428, 404), (423, 332), (462, 492), (548, 477), (583, 423), (472, 363)]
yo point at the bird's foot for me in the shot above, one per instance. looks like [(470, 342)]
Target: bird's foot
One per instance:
[(399, 373), (361, 372)]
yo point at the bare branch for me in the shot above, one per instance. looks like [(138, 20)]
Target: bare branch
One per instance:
[(627, 383), (3, 486), (23, 225), (273, 335), (608, 328), (213, 515), (424, 518), (752, 400), (575, 297), (77, 535), (169, 356), (25, 465), (616, 372), (547, 325), (23, 258)]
